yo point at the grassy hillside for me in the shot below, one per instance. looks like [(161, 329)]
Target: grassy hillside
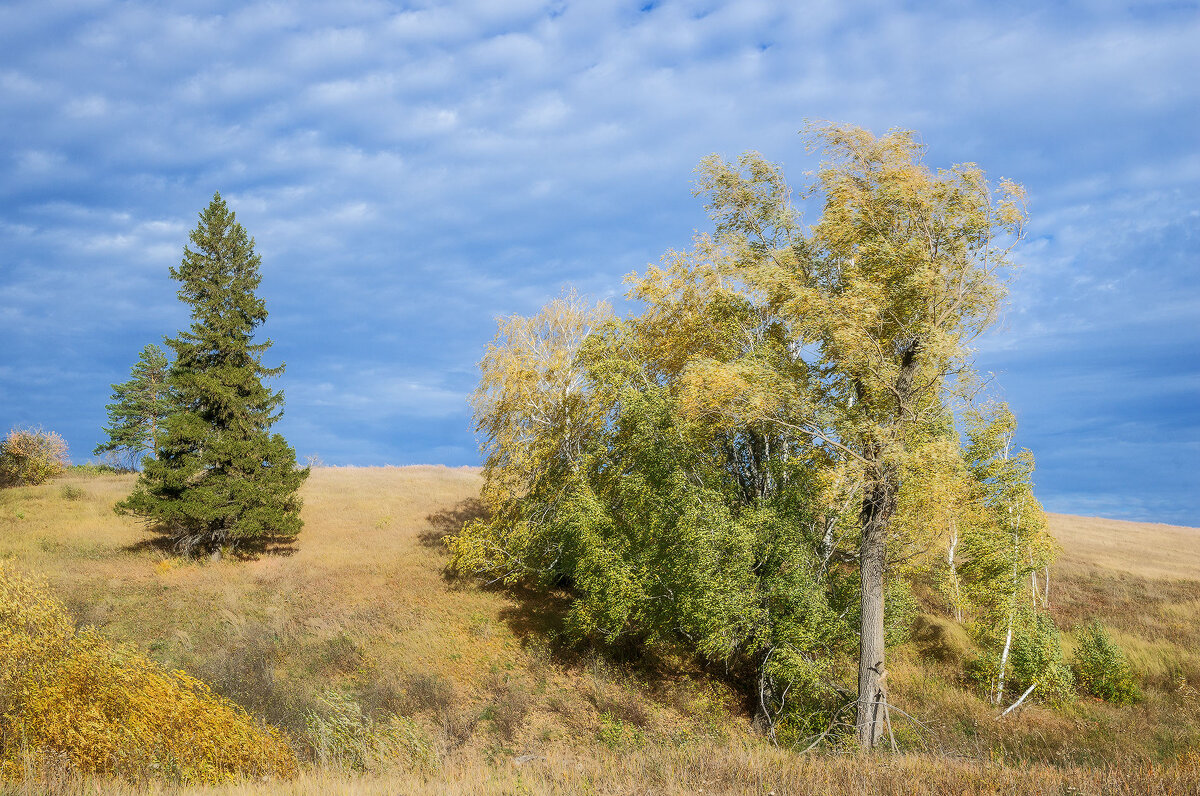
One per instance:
[(1142, 580), (360, 608)]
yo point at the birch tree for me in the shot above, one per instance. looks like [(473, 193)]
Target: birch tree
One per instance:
[(1008, 544), (711, 469), (904, 267)]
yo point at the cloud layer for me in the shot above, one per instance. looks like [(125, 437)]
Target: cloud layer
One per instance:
[(411, 172)]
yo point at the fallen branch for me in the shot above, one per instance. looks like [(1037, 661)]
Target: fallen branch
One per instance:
[(888, 719)]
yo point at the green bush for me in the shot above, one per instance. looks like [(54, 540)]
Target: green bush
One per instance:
[(1035, 656), (1101, 669), (72, 492), (31, 456)]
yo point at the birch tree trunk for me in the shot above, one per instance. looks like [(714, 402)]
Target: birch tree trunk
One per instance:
[(999, 695), (954, 572)]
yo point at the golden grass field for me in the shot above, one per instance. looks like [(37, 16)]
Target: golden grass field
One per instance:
[(1144, 549), (361, 605)]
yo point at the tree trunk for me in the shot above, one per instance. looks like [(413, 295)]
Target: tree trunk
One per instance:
[(878, 505), (768, 695), (957, 599), (1012, 608), (999, 694)]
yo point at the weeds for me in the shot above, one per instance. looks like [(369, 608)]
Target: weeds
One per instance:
[(341, 736), (509, 708)]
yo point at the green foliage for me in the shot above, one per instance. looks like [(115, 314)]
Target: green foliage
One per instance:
[(939, 639), (1101, 669), (1004, 539), (93, 469), (71, 492), (31, 456), (220, 478), (618, 734), (901, 613), (139, 410), (1037, 656), (723, 471), (1034, 656), (659, 544)]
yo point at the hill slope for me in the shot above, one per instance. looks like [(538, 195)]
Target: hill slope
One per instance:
[(361, 607), (1145, 549)]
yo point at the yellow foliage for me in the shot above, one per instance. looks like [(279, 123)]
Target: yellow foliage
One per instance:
[(111, 710), (532, 403), (31, 456), (35, 634)]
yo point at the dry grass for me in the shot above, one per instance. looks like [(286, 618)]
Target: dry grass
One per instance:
[(1143, 581), (728, 769), (1147, 550), (361, 606)]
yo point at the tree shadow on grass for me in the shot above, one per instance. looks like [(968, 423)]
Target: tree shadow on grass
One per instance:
[(449, 521), (538, 617), (165, 544)]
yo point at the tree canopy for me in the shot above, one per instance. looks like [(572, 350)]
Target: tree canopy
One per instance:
[(755, 465)]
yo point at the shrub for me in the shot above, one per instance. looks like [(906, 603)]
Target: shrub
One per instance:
[(1035, 656), (1101, 669), (35, 632), (114, 711), (31, 457), (71, 492), (111, 710)]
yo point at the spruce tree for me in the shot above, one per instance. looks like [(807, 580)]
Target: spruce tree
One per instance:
[(220, 479), (139, 409)]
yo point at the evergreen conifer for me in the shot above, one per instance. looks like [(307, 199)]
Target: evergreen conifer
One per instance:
[(220, 478), (139, 409)]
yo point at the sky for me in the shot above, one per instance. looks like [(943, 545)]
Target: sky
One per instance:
[(411, 172)]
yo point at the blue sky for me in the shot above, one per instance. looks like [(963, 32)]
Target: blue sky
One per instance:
[(410, 172)]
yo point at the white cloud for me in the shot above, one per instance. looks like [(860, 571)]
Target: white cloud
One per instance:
[(410, 174)]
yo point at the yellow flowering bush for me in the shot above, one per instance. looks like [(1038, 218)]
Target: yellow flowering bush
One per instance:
[(111, 710)]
